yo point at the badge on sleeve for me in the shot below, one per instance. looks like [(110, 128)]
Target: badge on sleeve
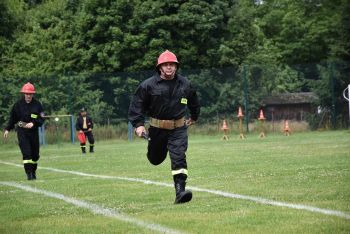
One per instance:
[(184, 101)]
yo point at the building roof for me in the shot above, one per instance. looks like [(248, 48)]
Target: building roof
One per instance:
[(290, 98)]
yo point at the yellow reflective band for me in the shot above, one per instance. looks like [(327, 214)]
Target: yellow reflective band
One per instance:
[(180, 171), (29, 161), (34, 116), (184, 101), (92, 145)]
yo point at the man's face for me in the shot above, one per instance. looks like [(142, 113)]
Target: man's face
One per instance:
[(167, 70), (83, 113), (28, 97)]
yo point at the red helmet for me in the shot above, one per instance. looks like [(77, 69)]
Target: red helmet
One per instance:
[(167, 57), (28, 88)]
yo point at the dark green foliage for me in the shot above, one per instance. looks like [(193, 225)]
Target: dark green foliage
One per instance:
[(95, 52)]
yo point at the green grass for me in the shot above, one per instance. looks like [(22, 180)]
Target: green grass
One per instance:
[(306, 168)]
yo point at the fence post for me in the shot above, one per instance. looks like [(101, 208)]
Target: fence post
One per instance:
[(72, 129), (42, 135), (130, 131)]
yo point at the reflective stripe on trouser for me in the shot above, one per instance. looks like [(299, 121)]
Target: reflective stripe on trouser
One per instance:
[(173, 141), (30, 166), (180, 171), (29, 161)]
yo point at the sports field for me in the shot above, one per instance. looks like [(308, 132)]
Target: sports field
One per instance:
[(296, 184)]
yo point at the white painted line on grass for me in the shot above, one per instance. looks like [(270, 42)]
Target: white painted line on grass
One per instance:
[(260, 200), (96, 209), (275, 203)]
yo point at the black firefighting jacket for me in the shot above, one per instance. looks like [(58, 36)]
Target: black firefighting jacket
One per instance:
[(163, 99), (80, 123), (26, 112)]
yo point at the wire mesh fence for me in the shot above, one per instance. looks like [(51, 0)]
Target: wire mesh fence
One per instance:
[(306, 93)]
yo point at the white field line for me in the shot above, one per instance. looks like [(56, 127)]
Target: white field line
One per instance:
[(96, 209), (260, 200)]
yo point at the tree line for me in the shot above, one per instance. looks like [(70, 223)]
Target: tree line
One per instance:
[(94, 53)]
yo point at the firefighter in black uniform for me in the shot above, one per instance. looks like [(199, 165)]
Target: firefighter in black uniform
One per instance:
[(165, 98), (85, 125), (27, 115)]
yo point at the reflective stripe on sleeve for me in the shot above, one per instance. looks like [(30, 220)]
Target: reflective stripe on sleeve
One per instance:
[(34, 116), (180, 171)]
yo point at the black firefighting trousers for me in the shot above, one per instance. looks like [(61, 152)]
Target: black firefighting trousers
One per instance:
[(28, 141), (90, 137), (175, 141)]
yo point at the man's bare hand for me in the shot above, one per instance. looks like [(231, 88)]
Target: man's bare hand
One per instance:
[(189, 122), (6, 134), (139, 130), (28, 125)]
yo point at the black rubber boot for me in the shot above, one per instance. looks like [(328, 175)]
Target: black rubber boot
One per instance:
[(30, 176), (29, 171), (35, 166), (91, 148), (182, 195), (83, 149)]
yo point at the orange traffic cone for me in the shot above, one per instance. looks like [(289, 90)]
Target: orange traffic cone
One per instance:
[(261, 117), (225, 129), (262, 127), (224, 125), (286, 129), (240, 114)]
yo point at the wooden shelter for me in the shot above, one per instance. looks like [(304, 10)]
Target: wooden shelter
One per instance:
[(292, 106)]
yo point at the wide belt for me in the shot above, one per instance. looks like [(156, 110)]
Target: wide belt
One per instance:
[(167, 124)]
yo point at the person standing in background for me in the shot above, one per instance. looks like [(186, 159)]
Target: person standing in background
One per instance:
[(84, 126)]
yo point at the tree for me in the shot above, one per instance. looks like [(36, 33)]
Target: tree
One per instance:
[(105, 48)]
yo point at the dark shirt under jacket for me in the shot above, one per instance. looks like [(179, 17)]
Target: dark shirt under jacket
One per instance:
[(163, 99)]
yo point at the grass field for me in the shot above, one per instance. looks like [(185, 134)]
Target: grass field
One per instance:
[(296, 184)]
